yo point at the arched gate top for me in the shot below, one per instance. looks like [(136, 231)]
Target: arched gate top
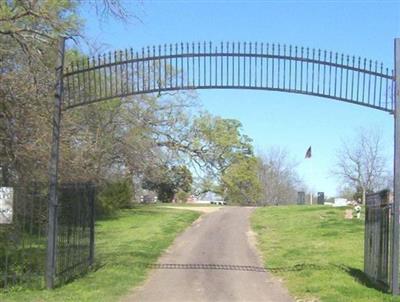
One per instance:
[(260, 66)]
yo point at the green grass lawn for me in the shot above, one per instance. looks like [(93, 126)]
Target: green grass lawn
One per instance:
[(125, 245), (317, 253)]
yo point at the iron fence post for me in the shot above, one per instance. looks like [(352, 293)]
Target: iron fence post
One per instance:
[(53, 169), (92, 192), (396, 185)]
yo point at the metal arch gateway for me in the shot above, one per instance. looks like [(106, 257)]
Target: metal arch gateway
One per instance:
[(255, 66), (204, 65)]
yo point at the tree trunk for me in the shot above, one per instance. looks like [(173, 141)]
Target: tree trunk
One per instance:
[(364, 191)]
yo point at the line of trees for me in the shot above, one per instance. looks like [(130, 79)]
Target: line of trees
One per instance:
[(156, 139), (361, 165), (160, 140)]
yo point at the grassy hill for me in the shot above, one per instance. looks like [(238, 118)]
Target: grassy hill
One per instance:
[(317, 253)]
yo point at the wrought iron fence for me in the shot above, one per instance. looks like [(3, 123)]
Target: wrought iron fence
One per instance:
[(23, 238), (378, 225), (264, 66), (75, 231)]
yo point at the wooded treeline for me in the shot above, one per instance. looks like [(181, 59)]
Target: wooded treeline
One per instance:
[(156, 142)]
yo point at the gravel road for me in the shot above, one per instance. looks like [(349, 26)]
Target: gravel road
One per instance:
[(213, 260)]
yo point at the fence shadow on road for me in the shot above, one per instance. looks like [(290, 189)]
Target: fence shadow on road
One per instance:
[(357, 274), (198, 266)]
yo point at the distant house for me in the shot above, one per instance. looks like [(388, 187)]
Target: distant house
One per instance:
[(206, 198), (148, 197)]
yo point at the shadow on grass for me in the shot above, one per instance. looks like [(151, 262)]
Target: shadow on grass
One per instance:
[(356, 273), (363, 279)]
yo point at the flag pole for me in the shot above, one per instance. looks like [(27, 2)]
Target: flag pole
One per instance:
[(308, 156), (311, 189)]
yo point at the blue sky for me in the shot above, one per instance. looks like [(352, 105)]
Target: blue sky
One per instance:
[(294, 122)]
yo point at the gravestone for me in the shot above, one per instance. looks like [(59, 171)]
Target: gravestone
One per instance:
[(321, 198), (301, 198)]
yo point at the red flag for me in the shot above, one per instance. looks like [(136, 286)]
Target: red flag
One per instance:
[(308, 153)]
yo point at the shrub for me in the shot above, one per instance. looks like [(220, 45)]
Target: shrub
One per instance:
[(113, 196), (182, 196)]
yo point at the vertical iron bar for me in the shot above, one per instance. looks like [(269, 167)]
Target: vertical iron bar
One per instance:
[(273, 71), (358, 78), (330, 73), (301, 69), (165, 66), (182, 73), (341, 76), (279, 65), (53, 169), (99, 77), (324, 80), (116, 73), (352, 79), (216, 66), (295, 68), (369, 82), (92, 193), (204, 64), (267, 75), (380, 87), (238, 74), (250, 59), (387, 88), (347, 76), (227, 63), (312, 70), (210, 80), (244, 64), (188, 67), (176, 65), (307, 73), (396, 185), (290, 67), (363, 86), (222, 65), (284, 66), (255, 65), (262, 64), (376, 69), (335, 85)]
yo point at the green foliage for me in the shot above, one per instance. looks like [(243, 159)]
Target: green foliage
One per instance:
[(115, 195), (240, 181), (220, 141), (182, 196), (169, 181)]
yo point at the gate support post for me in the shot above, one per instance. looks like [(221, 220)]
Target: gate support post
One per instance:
[(53, 169), (396, 185)]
